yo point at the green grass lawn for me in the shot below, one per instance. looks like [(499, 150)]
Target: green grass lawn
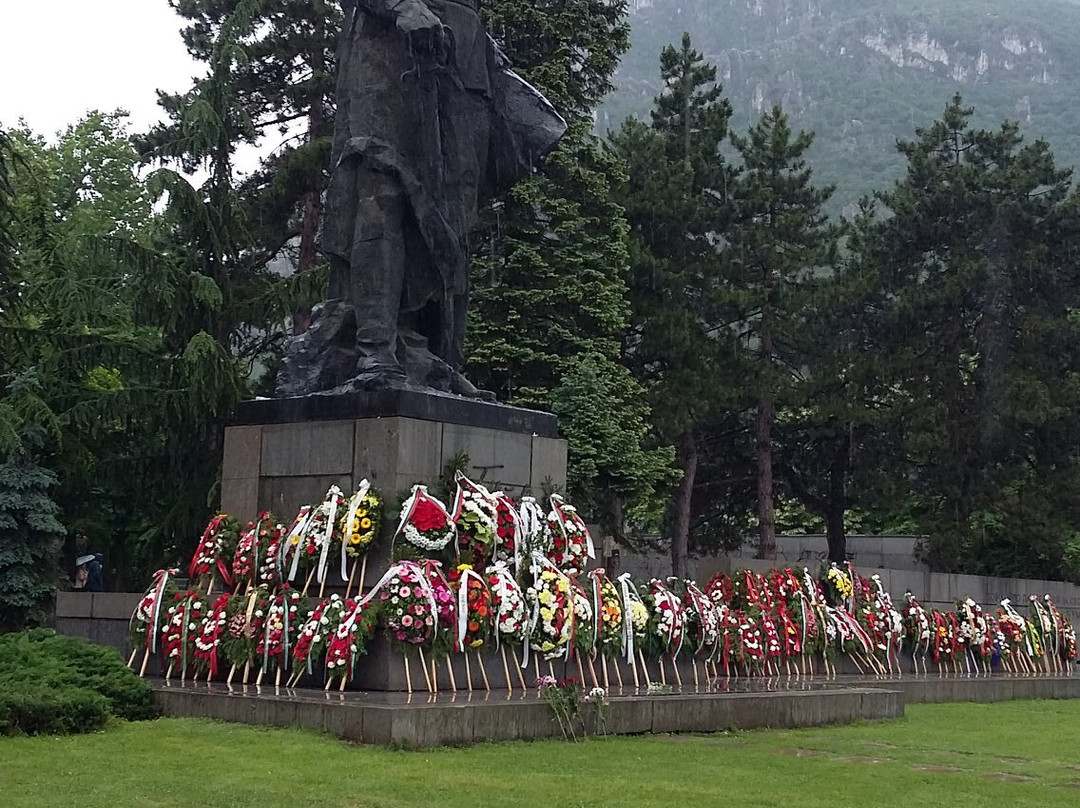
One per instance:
[(1008, 754)]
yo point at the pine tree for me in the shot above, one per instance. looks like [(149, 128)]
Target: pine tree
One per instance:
[(676, 199), (780, 239), (977, 259)]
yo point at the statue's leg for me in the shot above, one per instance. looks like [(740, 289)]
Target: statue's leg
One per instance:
[(377, 272)]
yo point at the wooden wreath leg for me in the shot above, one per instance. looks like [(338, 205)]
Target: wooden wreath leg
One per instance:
[(168, 673), (352, 578), (521, 675), (363, 575), (247, 671), (604, 670), (307, 583), (468, 671), (618, 672), (551, 670), (131, 659), (663, 673), (210, 587), (697, 684), (506, 669), (483, 672), (580, 669), (592, 672), (434, 675), (322, 588), (678, 676), (633, 668), (210, 675), (277, 676), (644, 667), (424, 668), (450, 672), (145, 660), (259, 678), (408, 676), (232, 673)]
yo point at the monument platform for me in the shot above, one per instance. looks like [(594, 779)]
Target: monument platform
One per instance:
[(426, 720)]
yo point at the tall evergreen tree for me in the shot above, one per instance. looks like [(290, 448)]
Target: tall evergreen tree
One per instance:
[(676, 199), (285, 86), (549, 274), (978, 260), (780, 239)]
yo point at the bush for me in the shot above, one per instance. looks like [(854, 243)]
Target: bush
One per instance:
[(54, 684)]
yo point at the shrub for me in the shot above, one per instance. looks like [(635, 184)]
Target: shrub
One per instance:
[(54, 684)]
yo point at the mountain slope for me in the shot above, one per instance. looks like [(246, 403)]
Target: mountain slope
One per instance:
[(862, 73)]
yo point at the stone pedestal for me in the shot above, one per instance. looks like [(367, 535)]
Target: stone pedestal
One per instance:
[(283, 453)]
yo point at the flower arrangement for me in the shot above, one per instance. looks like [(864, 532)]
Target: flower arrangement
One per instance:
[(182, 621), (474, 608), (145, 625), (213, 555), (254, 548), (607, 606), (702, 622), (917, 629), (507, 530), (550, 609), (571, 542), (749, 647), (583, 629), (408, 607), (839, 588), (476, 519), (360, 522), (349, 639), (508, 604), (320, 532), (425, 525), (273, 644), (247, 617), (317, 630), (208, 638), (535, 532), (665, 633)]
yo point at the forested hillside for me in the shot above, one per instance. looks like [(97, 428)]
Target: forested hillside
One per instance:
[(861, 73)]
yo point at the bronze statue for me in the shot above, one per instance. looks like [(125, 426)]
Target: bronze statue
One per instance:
[(431, 124)]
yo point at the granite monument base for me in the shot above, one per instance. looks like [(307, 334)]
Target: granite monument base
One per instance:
[(284, 453)]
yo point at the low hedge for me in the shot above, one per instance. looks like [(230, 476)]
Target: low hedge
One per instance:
[(58, 685)]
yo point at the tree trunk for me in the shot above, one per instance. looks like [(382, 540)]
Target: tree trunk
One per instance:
[(680, 538), (766, 511), (834, 533), (836, 503), (765, 415)]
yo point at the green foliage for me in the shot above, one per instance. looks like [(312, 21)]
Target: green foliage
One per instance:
[(59, 685), (549, 274), (977, 250), (29, 534)]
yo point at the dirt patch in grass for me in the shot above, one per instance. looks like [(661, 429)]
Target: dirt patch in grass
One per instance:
[(862, 759), (937, 769), (800, 752), (1009, 778)]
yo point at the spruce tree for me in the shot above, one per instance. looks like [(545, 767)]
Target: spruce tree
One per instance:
[(676, 200), (549, 272)]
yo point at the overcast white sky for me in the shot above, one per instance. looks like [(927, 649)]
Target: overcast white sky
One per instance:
[(62, 58)]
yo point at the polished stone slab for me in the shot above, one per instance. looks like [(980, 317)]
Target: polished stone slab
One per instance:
[(428, 405)]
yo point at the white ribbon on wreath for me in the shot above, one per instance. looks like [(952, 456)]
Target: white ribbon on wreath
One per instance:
[(463, 604), (299, 527), (626, 586)]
